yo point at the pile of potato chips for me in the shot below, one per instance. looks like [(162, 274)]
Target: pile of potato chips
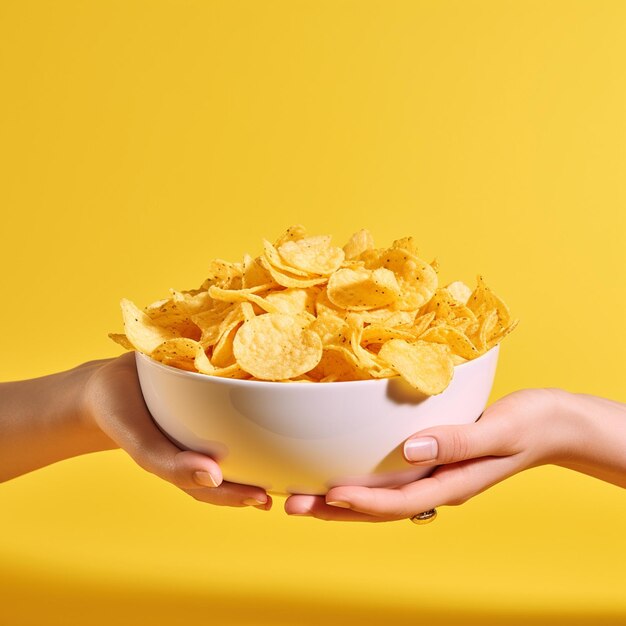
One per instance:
[(305, 310)]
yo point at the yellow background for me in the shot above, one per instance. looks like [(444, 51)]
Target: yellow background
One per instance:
[(139, 139)]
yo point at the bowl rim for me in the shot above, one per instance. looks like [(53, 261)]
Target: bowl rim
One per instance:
[(278, 383)]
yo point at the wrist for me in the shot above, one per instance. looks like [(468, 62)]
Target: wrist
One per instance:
[(593, 437), (81, 410), (44, 420)]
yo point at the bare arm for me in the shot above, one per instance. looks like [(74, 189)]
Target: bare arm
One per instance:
[(99, 406), (41, 422)]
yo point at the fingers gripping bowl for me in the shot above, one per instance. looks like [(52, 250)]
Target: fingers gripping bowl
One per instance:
[(306, 438)]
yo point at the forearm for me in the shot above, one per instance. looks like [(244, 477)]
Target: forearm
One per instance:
[(597, 441), (43, 421)]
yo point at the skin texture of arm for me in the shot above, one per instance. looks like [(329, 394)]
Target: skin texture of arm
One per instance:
[(99, 406), (525, 429)]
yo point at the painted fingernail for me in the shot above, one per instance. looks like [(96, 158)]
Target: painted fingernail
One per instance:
[(339, 503), (421, 449), (204, 479), (254, 502)]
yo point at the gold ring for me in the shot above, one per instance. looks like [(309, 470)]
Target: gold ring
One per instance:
[(425, 517)]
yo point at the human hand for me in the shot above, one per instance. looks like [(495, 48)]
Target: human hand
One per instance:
[(113, 403), (522, 430)]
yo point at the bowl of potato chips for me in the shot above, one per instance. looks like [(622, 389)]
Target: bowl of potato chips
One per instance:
[(307, 366)]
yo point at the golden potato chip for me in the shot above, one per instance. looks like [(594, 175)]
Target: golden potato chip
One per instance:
[(294, 300), (314, 255), (275, 346), (361, 289), (272, 256), (416, 279), (248, 311), (290, 279), (122, 340), (483, 300), (425, 366), (481, 336), (422, 323), (501, 334), (447, 308), (358, 244), (254, 274), (179, 352), (388, 316), (141, 331), (380, 334), (305, 311), (459, 291), (453, 338), (243, 295), (405, 243), (293, 233), (324, 305), (331, 329), (338, 364), (173, 315), (229, 275), (204, 366)]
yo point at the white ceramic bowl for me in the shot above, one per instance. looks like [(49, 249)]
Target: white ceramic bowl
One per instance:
[(308, 437)]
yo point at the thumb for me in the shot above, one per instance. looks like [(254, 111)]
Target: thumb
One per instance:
[(451, 444)]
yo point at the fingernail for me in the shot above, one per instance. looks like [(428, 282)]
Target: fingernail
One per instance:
[(205, 479), (254, 502), (421, 449), (339, 503)]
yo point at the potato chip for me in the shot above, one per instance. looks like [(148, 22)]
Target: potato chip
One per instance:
[(293, 233), (275, 346), (307, 311), (459, 291), (447, 308), (422, 323), (425, 366), (416, 279), (243, 295), (314, 255), (480, 337), (204, 366), (359, 243), (271, 255), (324, 305), (122, 340), (141, 331), (248, 311), (406, 243), (290, 279), (338, 364), (332, 329), (361, 289), (294, 301), (483, 300), (380, 334), (254, 274), (228, 274), (179, 352), (454, 338)]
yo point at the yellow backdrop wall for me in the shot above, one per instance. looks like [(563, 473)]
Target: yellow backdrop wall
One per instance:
[(139, 139)]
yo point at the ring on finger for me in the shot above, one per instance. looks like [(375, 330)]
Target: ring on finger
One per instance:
[(425, 517)]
